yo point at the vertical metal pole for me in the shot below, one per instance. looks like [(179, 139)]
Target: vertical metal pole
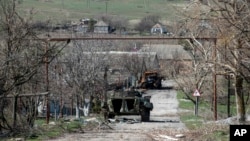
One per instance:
[(55, 108), (61, 99), (228, 97), (196, 105), (215, 81), (215, 98), (47, 84), (72, 104), (106, 84)]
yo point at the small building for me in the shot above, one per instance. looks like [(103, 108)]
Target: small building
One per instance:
[(174, 56), (87, 21), (158, 29), (82, 28), (101, 27), (84, 25)]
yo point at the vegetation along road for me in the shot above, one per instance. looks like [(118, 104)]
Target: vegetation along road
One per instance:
[(164, 116)]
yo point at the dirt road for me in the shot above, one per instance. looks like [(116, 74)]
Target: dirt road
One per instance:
[(164, 117)]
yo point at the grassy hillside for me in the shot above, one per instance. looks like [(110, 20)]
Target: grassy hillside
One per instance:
[(59, 10)]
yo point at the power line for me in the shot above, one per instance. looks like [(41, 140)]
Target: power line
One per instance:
[(126, 38)]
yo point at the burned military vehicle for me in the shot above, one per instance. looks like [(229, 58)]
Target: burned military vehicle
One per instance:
[(150, 80), (129, 102)]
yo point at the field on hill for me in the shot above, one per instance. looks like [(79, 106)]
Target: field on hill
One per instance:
[(65, 10)]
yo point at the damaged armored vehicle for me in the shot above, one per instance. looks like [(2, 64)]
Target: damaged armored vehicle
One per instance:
[(150, 80), (129, 102)]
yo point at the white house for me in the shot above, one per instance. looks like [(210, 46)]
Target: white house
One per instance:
[(159, 29)]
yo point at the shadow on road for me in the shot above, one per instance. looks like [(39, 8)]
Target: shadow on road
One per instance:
[(164, 121), (132, 120), (164, 88)]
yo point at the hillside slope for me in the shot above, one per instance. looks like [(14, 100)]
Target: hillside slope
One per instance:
[(68, 10)]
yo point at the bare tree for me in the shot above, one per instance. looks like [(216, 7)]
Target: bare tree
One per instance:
[(232, 28), (83, 72), (235, 33), (147, 22), (22, 55), (18, 60), (191, 75), (197, 73), (133, 63)]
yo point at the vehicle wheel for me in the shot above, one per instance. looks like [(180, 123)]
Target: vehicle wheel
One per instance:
[(145, 115), (159, 86), (144, 85), (111, 115)]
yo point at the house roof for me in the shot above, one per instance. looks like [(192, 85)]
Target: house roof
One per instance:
[(167, 52), (101, 23), (117, 58), (158, 25)]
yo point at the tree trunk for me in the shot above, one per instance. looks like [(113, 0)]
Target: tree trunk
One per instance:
[(3, 122), (241, 113), (77, 107), (105, 104), (14, 110)]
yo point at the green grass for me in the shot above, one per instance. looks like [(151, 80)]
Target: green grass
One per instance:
[(59, 10), (184, 104), (45, 131), (204, 106), (188, 118), (40, 122), (194, 123), (191, 121)]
